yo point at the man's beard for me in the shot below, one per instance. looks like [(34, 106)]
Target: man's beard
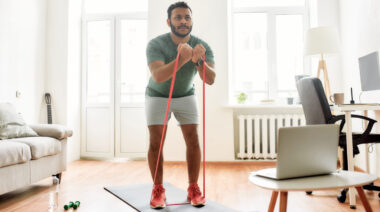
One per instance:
[(174, 30)]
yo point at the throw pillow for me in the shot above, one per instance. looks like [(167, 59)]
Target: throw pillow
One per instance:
[(12, 124)]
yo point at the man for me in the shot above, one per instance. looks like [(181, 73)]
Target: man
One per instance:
[(161, 55)]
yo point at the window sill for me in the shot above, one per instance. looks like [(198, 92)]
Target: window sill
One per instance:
[(263, 106)]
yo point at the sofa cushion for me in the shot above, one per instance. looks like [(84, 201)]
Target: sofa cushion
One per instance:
[(16, 131), (8, 115), (13, 153), (40, 146), (12, 124)]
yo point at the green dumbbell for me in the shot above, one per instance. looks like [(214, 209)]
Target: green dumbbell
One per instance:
[(76, 205), (66, 207)]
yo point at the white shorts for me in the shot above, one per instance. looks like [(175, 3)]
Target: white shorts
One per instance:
[(184, 109)]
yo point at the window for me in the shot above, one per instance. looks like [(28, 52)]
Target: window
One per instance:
[(267, 48), (115, 32), (114, 6)]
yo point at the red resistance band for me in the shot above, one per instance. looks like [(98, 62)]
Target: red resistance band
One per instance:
[(165, 125)]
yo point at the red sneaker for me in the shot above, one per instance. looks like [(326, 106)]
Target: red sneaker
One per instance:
[(195, 195), (158, 197)]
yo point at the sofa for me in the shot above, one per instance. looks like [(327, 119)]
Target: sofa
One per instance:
[(29, 153)]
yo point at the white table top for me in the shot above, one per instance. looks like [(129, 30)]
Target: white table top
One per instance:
[(354, 107), (339, 179)]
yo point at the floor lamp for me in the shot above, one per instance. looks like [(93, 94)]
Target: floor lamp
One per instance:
[(322, 41)]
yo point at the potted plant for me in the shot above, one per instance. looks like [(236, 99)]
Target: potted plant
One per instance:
[(241, 97)]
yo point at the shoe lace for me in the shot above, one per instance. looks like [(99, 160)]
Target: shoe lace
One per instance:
[(157, 191), (195, 191)]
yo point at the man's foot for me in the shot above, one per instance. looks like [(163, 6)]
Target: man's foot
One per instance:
[(158, 197), (194, 195)]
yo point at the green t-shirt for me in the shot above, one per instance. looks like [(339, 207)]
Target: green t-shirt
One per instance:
[(164, 49)]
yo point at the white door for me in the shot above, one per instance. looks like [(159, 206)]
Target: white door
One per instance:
[(113, 86), (131, 78)]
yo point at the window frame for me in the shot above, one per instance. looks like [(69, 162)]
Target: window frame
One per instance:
[(271, 12)]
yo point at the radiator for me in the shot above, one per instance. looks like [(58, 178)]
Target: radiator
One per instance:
[(258, 134)]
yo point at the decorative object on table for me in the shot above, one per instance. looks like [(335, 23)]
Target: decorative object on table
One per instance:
[(322, 41), (241, 98), (352, 98), (290, 100), (337, 98)]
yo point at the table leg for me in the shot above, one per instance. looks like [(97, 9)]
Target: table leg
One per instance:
[(364, 200), (366, 156), (283, 201), (273, 200), (350, 155)]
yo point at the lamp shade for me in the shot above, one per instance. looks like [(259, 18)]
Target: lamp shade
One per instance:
[(321, 40)]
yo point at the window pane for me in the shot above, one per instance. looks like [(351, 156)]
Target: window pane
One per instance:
[(115, 6), (98, 61), (267, 3), (133, 60), (289, 41), (250, 52)]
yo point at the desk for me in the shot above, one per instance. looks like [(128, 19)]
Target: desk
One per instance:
[(348, 109), (340, 179)]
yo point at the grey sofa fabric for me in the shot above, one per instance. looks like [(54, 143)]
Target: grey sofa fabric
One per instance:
[(40, 146), (52, 130), (13, 153)]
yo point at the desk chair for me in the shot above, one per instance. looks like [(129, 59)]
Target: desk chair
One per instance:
[(317, 111)]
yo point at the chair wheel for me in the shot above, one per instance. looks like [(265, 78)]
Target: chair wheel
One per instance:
[(341, 198), (310, 192)]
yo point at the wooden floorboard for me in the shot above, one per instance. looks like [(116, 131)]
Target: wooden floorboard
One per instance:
[(226, 183)]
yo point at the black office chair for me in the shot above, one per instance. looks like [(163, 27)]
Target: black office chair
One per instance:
[(317, 111)]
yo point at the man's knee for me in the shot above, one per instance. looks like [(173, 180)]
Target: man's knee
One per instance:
[(155, 140), (191, 135), (192, 140)]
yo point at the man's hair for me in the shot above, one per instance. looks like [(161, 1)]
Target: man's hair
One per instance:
[(180, 4)]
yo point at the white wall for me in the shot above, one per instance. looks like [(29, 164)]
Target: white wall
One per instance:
[(22, 55), (360, 33), (56, 57), (74, 77), (63, 67), (210, 24)]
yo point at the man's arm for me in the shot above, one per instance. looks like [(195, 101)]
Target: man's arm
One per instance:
[(162, 72), (198, 52), (210, 73)]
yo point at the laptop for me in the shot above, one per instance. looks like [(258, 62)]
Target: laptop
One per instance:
[(305, 151)]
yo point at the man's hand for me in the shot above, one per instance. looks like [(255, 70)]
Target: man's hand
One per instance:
[(198, 52), (186, 52)]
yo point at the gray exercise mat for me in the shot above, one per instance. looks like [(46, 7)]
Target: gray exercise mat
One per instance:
[(138, 197)]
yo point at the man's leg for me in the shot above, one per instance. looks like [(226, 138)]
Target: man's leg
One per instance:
[(158, 192), (155, 134), (193, 157), (193, 151)]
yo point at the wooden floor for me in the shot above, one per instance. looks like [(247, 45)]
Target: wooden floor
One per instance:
[(226, 183)]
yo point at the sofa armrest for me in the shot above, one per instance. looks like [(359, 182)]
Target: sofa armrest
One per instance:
[(52, 130)]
